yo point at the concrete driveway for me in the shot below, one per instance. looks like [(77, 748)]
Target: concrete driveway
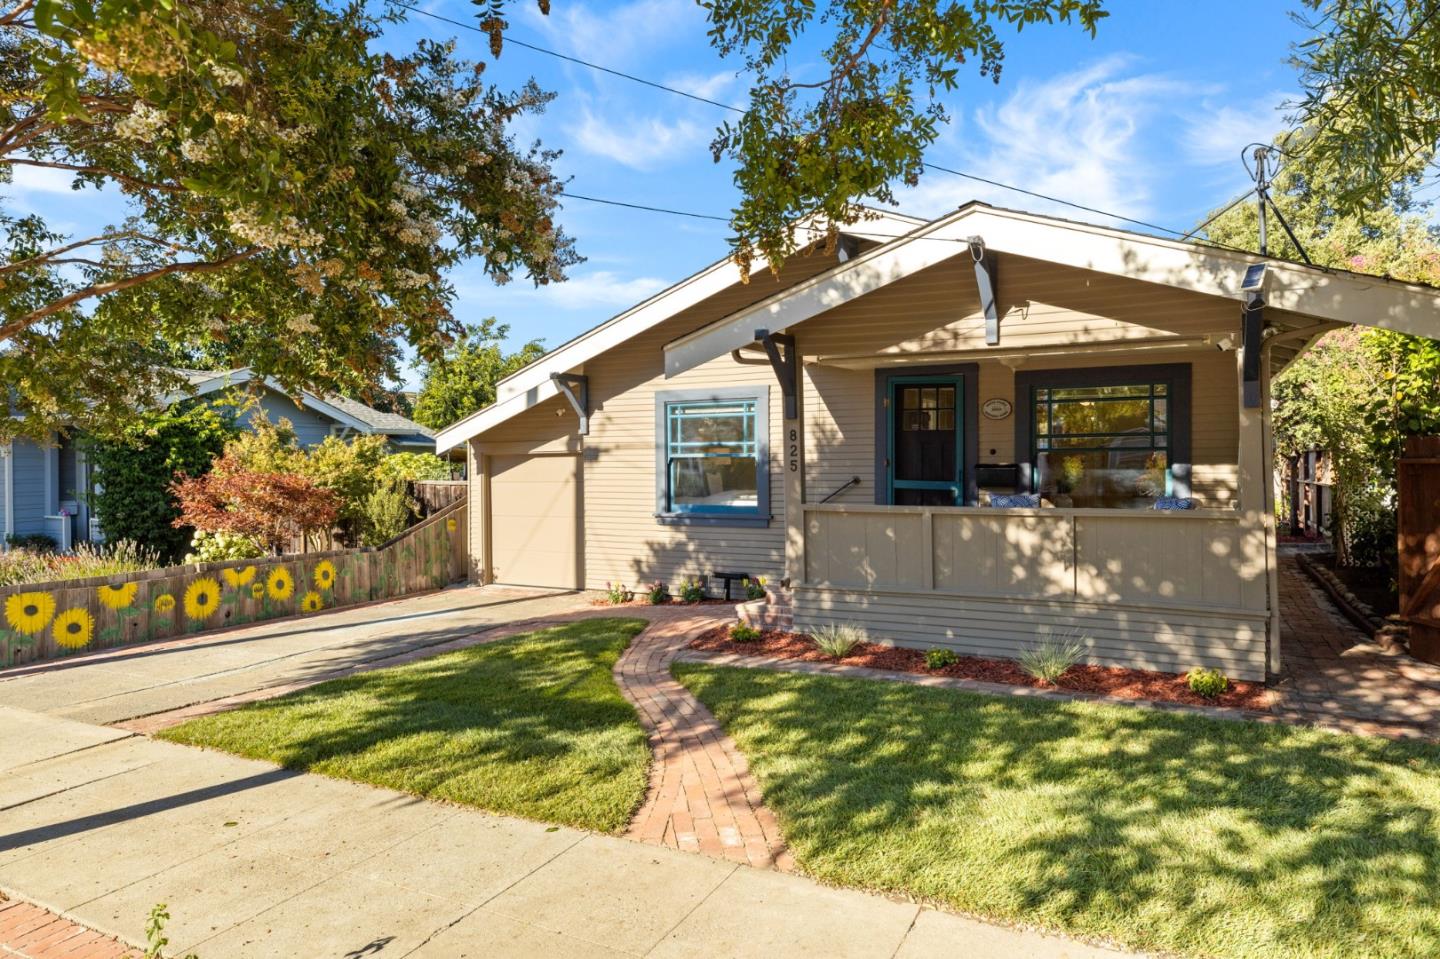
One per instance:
[(126, 683), (101, 823)]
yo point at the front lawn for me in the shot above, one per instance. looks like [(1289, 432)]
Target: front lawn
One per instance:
[(1159, 831), (532, 726)]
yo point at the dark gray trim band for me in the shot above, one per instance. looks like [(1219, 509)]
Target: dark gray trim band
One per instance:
[(1175, 376), (970, 418)]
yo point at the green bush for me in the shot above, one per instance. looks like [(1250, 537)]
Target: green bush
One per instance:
[(1053, 657), (412, 468), (940, 658), (837, 642), (33, 542), (658, 593), (1209, 683), (218, 547), (132, 500), (388, 511), (741, 633), (692, 591), (754, 588), (617, 595)]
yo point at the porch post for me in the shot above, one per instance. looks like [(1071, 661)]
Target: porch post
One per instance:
[(1272, 563), (1251, 495), (793, 463)]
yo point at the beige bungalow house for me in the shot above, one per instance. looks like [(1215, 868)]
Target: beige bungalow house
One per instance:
[(971, 432)]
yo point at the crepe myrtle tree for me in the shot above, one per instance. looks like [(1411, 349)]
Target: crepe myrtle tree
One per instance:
[(290, 194), (805, 146)]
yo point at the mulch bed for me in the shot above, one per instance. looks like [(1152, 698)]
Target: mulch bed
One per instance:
[(1373, 585), (642, 601), (1082, 678)]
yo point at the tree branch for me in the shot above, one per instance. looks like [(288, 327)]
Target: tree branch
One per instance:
[(101, 171), (11, 329), (13, 16), (48, 256)]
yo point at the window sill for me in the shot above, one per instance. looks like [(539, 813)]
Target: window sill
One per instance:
[(710, 519)]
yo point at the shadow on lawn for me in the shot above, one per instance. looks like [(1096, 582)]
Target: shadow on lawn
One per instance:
[(1155, 829), (533, 724)]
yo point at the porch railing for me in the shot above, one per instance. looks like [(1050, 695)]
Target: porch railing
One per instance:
[(1209, 559)]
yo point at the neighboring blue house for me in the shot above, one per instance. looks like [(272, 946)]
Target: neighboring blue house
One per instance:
[(41, 487)]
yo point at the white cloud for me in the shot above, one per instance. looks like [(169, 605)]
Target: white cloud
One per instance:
[(1076, 136), (601, 288), (617, 34), (1215, 134), (641, 144), (599, 292), (33, 179), (711, 87)]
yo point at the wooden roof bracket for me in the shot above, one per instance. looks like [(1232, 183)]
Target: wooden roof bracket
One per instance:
[(575, 387), (985, 267), (786, 366)]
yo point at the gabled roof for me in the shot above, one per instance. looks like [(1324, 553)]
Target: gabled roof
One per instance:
[(351, 413), (1327, 295), (532, 384)]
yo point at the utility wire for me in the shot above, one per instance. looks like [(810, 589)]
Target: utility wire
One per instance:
[(734, 109), (641, 206)]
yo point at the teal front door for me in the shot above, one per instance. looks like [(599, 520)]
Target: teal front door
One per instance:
[(926, 453)]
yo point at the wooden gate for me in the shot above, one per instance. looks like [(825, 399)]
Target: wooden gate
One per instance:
[(1418, 543)]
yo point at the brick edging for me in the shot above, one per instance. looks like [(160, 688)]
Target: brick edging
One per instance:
[(30, 931)]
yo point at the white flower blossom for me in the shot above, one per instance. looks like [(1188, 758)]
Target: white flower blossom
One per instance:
[(142, 123), (226, 76), (203, 150), (409, 279), (398, 208), (287, 233)]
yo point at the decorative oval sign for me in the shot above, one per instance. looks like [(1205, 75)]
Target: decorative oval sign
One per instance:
[(996, 409)]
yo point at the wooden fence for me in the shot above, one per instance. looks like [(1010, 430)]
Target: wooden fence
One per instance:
[(42, 621), (1417, 519), (435, 495)]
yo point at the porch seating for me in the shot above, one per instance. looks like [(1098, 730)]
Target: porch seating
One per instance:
[(1173, 503)]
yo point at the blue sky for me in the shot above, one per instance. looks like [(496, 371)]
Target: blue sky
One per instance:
[(1147, 120)]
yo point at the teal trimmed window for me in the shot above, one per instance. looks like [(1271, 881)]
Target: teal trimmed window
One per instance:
[(713, 457), (1103, 445)]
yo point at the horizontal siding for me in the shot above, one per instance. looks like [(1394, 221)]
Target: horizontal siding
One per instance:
[(310, 427), (623, 541), (1112, 634), (28, 463)]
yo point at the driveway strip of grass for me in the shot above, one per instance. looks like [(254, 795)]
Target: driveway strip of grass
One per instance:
[(530, 726), (1160, 831)]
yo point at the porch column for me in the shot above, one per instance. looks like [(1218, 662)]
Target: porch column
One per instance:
[(1267, 432), (792, 462), (1252, 496)]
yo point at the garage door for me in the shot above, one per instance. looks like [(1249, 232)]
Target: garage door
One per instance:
[(534, 502)]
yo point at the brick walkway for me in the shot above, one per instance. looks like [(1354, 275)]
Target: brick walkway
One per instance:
[(1336, 676), (702, 797), (30, 932)]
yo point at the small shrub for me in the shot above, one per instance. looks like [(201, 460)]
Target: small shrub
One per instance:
[(1053, 657), (658, 593), (692, 591), (617, 595), (218, 547), (388, 511), (754, 588), (940, 658), (1209, 683), (838, 641), (33, 542), (741, 633)]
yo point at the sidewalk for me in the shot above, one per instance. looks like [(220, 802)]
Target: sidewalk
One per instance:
[(101, 824)]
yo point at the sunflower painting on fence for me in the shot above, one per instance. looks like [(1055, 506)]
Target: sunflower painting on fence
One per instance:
[(26, 615)]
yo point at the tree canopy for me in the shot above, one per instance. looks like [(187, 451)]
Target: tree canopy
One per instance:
[(1370, 76), (463, 380), (293, 198)]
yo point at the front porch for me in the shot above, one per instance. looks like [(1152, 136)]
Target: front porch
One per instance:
[(1156, 590)]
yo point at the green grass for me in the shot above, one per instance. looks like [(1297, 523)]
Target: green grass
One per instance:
[(531, 726), (1162, 832)]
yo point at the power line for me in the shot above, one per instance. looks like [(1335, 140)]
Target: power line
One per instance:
[(576, 60), (641, 206), (734, 109)]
